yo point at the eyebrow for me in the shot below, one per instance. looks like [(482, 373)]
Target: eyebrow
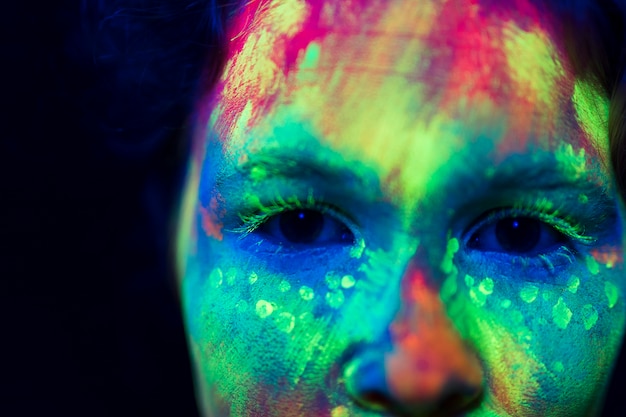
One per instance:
[(469, 182), (285, 164)]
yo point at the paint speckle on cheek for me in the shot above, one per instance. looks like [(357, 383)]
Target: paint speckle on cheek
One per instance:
[(332, 280), (264, 309), (216, 278), (284, 286), (590, 316), (529, 292), (506, 303), (611, 292), (285, 322), (561, 314), (252, 278), (547, 295), (592, 265), (306, 293), (486, 286), (231, 276), (348, 281), (573, 283), (335, 298)]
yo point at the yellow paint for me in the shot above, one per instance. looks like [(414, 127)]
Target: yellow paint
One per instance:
[(612, 293), (529, 292), (592, 114), (561, 314), (534, 64), (264, 308)]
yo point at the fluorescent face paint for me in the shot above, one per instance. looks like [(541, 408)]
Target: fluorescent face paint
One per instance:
[(423, 134)]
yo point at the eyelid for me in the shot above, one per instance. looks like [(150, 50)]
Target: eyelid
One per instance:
[(571, 229), (253, 220)]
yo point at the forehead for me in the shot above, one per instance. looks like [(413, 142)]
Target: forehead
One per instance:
[(360, 75), (460, 47)]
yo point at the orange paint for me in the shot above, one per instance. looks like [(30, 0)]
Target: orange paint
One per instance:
[(608, 256), (211, 223), (428, 353)]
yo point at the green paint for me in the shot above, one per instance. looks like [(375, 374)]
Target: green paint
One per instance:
[(335, 299), (561, 314), (547, 295), (231, 276), (506, 303), (486, 286), (264, 308), (583, 199), (558, 366), (611, 292), (449, 287), (215, 278), (592, 265), (253, 277), (592, 112), (306, 293), (447, 263), (348, 281), (573, 283), (284, 286), (311, 56), (469, 280), (340, 411), (528, 293), (332, 280), (285, 322), (526, 52), (477, 297), (571, 163), (590, 316), (357, 250)]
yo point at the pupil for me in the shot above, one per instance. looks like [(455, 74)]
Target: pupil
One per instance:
[(519, 234), (301, 226)]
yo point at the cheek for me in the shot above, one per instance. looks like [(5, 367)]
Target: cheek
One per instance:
[(257, 321), (558, 340)]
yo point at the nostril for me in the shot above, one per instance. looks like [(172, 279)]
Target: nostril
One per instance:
[(376, 400), (458, 402)]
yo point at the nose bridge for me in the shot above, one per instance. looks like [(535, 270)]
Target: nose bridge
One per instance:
[(424, 366), (427, 352)]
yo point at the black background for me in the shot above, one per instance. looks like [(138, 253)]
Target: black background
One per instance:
[(90, 323)]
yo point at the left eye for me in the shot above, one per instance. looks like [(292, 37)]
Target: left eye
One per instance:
[(306, 226), (516, 235)]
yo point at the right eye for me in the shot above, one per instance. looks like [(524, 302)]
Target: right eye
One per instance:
[(306, 227)]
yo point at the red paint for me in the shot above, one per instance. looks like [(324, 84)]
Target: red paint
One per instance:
[(211, 223), (429, 359)]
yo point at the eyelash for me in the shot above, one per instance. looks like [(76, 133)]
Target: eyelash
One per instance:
[(252, 221), (540, 210)]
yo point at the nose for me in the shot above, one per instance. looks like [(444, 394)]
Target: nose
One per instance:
[(421, 367)]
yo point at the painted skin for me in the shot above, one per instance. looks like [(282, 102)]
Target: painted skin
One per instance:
[(400, 208)]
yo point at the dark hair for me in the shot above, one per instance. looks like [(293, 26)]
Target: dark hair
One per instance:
[(152, 59), (595, 40)]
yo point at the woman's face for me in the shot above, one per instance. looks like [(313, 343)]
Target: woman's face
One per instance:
[(401, 208)]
